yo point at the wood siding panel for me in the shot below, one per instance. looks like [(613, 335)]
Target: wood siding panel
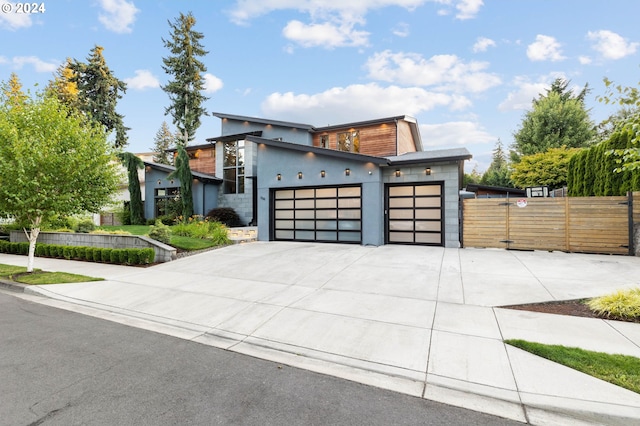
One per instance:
[(205, 163), (405, 139), (378, 140), (580, 224)]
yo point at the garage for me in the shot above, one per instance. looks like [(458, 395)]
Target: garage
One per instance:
[(319, 214), (414, 213)]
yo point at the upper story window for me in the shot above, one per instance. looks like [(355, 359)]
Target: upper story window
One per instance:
[(349, 141), (233, 167), (324, 141)]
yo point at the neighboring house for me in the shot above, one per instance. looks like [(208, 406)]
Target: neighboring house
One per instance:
[(488, 191), (366, 182)]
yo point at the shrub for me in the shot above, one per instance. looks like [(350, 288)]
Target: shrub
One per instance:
[(97, 254), (146, 256), (225, 215), (160, 232), (123, 256), (623, 304), (114, 256), (105, 255), (85, 226), (66, 252), (133, 256), (80, 252), (218, 233)]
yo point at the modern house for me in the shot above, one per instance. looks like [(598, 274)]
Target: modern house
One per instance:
[(368, 182)]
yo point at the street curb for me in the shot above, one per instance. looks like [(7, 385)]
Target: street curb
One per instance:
[(13, 286)]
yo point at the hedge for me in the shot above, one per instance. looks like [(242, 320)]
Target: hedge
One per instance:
[(92, 254)]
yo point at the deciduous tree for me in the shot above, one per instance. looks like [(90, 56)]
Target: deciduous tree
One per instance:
[(53, 161), (548, 168)]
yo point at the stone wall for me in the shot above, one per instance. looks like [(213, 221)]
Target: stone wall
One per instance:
[(163, 252)]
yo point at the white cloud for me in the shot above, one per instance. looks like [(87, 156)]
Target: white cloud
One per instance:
[(611, 45), (143, 80), (482, 44), (357, 102), (526, 91), (446, 72), (468, 9), (119, 15), (584, 60), (38, 64), (328, 34), (14, 21), (332, 22), (454, 134), (401, 30), (545, 48), (212, 83)]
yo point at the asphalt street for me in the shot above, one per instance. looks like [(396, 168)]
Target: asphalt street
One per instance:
[(63, 368)]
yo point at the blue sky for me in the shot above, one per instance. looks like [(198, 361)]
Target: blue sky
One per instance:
[(467, 70)]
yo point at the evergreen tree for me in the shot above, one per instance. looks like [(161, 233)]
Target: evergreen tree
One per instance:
[(163, 140), (498, 172), (98, 93), (185, 90), (557, 119), (136, 206), (183, 172)]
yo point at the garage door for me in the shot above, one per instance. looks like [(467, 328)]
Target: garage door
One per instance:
[(322, 214), (414, 214)]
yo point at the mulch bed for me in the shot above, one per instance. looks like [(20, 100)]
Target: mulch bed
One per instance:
[(576, 308)]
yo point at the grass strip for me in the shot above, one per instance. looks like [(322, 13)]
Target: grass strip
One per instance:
[(621, 370), (39, 277)]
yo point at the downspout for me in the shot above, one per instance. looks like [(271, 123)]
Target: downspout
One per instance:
[(204, 197)]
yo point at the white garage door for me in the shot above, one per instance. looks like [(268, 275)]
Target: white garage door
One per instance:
[(414, 214), (321, 214)]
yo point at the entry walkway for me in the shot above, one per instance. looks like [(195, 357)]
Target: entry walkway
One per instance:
[(417, 320)]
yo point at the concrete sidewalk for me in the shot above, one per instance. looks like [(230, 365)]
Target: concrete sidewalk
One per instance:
[(417, 320)]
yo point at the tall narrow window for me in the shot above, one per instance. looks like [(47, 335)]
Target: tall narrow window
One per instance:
[(324, 141), (349, 141), (233, 167)]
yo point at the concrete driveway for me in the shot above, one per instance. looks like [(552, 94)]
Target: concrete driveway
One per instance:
[(417, 320)]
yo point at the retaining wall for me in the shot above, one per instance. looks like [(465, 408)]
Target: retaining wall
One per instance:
[(163, 252)]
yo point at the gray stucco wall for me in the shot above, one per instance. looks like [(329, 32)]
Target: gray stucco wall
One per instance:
[(287, 163), (445, 172), (289, 134), (205, 195), (163, 252)]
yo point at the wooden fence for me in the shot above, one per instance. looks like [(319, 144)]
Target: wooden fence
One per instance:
[(571, 224)]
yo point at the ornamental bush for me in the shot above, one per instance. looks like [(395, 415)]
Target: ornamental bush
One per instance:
[(225, 215), (160, 232)]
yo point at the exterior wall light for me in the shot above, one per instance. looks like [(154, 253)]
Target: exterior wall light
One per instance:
[(159, 182), (299, 175), (397, 172), (279, 176), (322, 173), (427, 171), (347, 172)]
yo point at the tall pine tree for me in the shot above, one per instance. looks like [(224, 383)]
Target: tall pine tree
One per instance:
[(64, 87), (98, 93), (163, 140), (186, 87), (498, 172)]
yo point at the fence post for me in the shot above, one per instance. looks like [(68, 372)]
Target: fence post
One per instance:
[(567, 223), (632, 251)]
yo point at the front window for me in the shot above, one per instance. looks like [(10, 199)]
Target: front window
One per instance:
[(324, 141), (349, 141), (233, 167), (168, 202)]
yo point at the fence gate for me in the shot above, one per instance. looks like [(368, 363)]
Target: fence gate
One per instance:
[(572, 224)]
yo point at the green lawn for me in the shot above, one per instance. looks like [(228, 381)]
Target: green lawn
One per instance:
[(18, 274), (183, 243), (621, 370)]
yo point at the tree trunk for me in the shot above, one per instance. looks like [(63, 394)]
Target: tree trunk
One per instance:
[(32, 237)]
